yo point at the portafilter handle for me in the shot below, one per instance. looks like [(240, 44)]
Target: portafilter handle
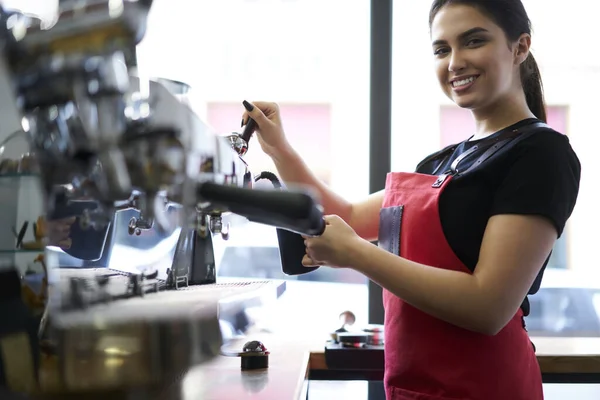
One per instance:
[(249, 130), (294, 211)]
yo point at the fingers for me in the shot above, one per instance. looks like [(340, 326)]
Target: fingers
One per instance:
[(63, 228), (262, 112), (309, 262), (330, 218), (58, 232), (65, 244), (70, 220)]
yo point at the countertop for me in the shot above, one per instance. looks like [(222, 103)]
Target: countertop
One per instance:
[(291, 361)]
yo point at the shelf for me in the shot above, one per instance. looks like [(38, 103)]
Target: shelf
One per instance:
[(19, 175), (20, 251)]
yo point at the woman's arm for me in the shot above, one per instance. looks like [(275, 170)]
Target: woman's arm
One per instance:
[(513, 251), (362, 216)]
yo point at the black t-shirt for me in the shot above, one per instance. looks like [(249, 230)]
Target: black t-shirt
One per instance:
[(539, 175)]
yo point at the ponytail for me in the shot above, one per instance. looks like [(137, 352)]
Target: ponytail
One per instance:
[(531, 80)]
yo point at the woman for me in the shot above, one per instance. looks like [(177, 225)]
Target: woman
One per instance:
[(464, 239)]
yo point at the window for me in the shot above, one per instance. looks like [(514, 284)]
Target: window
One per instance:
[(320, 78), (457, 124), (307, 126), (425, 120)]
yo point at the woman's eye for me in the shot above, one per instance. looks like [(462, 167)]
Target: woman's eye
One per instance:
[(440, 51), (474, 42)]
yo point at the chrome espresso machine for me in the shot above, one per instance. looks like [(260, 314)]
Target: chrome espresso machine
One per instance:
[(129, 301)]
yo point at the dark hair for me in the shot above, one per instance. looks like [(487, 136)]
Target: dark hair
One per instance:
[(511, 17)]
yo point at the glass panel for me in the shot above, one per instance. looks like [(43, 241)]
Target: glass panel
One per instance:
[(425, 121), (286, 52)]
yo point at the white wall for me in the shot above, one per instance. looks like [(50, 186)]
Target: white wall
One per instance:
[(571, 73), (310, 51)]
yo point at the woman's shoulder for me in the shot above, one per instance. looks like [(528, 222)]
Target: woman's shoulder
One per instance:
[(539, 144), (545, 144)]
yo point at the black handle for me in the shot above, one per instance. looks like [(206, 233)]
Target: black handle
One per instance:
[(249, 130), (295, 211)]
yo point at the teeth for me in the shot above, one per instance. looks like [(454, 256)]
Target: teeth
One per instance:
[(463, 82)]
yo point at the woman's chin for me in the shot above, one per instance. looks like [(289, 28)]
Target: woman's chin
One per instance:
[(466, 103)]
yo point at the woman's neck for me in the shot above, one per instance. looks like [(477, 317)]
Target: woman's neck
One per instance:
[(502, 114)]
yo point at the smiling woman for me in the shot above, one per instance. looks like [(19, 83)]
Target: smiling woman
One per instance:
[(465, 239), (486, 45), (477, 46)]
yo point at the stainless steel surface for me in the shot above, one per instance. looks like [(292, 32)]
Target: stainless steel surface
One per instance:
[(92, 127), (96, 133), (152, 341), (135, 165)]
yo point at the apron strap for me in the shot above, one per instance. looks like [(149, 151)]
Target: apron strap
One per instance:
[(514, 137), (437, 155)]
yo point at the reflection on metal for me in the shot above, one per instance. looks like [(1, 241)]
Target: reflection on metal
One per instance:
[(146, 182), (152, 340)]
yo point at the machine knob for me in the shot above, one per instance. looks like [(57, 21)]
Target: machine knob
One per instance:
[(254, 355), (254, 346)]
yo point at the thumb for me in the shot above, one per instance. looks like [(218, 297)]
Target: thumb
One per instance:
[(256, 114), (329, 219)]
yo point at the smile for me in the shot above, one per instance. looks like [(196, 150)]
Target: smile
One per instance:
[(463, 84), (458, 84)]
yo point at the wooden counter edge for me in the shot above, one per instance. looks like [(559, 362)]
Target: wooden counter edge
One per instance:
[(549, 364), (302, 386), (317, 361)]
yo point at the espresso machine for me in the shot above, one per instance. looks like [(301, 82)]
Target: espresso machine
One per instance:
[(132, 302)]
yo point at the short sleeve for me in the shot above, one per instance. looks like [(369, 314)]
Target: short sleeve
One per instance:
[(542, 180)]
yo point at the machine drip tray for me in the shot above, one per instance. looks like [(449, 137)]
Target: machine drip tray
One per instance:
[(155, 338)]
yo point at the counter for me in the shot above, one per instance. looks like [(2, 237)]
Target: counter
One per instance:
[(561, 359), (293, 362)]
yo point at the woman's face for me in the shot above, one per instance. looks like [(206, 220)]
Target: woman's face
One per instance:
[(474, 63)]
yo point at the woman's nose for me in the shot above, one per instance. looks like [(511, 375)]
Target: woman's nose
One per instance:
[(457, 61)]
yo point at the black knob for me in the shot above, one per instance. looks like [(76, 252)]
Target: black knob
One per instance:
[(254, 356), (254, 346)]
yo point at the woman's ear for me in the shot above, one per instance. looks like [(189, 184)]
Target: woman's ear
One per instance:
[(521, 49)]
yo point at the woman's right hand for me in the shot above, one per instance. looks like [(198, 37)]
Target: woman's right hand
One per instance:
[(270, 129), (59, 232)]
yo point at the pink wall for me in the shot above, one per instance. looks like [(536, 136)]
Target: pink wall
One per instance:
[(307, 126), (456, 124)]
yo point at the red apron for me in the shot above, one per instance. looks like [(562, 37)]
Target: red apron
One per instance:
[(425, 357)]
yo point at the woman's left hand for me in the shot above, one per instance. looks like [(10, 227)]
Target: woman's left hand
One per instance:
[(334, 247)]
